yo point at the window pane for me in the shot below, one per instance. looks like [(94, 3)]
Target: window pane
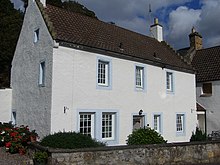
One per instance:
[(107, 127), (86, 124), (103, 73), (179, 122), (169, 81), (139, 76), (42, 73)]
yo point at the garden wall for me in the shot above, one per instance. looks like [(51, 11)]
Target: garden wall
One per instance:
[(5, 104), (166, 154)]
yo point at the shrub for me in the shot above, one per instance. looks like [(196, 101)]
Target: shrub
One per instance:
[(70, 140), (198, 135), (14, 139), (145, 136)]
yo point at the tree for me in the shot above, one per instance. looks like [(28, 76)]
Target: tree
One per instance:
[(78, 8), (10, 23)]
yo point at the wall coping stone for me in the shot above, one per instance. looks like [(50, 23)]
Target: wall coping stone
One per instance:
[(119, 147)]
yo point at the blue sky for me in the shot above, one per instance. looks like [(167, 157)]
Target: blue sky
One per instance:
[(177, 17)]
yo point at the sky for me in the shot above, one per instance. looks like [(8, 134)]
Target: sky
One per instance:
[(176, 16)]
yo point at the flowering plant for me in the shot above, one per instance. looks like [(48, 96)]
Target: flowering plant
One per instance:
[(15, 139)]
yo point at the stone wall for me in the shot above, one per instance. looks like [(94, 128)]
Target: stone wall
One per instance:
[(166, 154)]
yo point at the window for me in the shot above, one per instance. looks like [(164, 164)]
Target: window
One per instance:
[(138, 121), (157, 123), (36, 36), (13, 118), (207, 89), (180, 123), (169, 81), (139, 77), (42, 74), (103, 73), (108, 125), (99, 124), (87, 124)]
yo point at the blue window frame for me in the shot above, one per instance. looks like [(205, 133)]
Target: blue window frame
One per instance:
[(169, 82), (104, 75), (140, 81), (180, 124), (100, 124)]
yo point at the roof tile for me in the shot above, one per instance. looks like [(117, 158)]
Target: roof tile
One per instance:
[(207, 64), (75, 28)]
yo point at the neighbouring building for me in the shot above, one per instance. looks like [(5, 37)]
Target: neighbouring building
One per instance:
[(5, 105), (206, 62), (76, 73)]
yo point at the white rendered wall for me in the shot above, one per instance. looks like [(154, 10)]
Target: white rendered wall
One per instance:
[(5, 105), (211, 104), (74, 86)]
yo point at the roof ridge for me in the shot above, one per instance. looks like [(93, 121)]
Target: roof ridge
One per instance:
[(209, 48), (98, 20)]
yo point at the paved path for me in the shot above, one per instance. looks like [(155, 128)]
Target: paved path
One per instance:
[(13, 159)]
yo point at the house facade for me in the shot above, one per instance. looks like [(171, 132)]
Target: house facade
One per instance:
[(75, 73), (206, 63)]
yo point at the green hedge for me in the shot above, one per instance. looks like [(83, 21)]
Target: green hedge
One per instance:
[(70, 140), (145, 136)]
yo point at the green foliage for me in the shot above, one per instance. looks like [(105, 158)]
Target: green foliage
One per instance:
[(40, 156), (10, 23), (145, 136), (57, 3), (198, 135), (78, 8), (70, 140)]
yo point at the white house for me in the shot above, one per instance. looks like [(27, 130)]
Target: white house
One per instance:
[(75, 73)]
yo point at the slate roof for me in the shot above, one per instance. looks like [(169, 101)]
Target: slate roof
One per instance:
[(207, 64), (82, 30)]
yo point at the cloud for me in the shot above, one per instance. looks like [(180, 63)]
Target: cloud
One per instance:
[(210, 22), (181, 22), (130, 14)]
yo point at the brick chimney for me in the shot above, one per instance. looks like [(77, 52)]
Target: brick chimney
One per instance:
[(156, 30), (195, 40)]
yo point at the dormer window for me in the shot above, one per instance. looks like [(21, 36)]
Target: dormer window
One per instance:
[(36, 36)]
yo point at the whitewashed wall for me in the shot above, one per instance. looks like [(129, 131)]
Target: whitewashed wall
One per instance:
[(211, 104), (74, 86), (5, 105)]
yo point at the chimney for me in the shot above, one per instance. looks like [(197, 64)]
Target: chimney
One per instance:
[(195, 39), (156, 30)]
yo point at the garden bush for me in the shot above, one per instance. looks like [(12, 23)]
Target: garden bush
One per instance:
[(145, 136), (198, 135), (15, 139), (70, 140)]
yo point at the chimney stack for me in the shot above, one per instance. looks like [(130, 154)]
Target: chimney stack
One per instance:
[(156, 30), (195, 39)]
